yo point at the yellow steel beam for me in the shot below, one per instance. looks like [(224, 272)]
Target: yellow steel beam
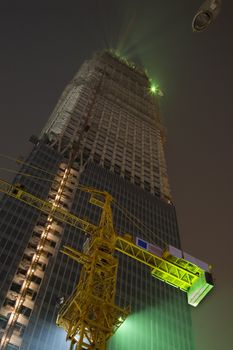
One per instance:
[(177, 272), (76, 255), (90, 315), (47, 207), (166, 271)]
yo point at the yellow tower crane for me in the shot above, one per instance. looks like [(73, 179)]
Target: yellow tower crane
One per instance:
[(90, 316)]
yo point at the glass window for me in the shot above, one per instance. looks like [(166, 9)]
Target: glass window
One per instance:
[(12, 347), (3, 322)]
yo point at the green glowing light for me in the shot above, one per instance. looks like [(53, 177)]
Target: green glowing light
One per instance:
[(153, 327), (153, 89)]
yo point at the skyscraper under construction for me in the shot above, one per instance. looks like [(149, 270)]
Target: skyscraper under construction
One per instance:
[(105, 132)]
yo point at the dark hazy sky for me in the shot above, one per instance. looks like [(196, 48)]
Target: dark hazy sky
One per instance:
[(42, 45)]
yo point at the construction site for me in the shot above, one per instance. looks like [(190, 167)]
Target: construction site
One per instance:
[(92, 257)]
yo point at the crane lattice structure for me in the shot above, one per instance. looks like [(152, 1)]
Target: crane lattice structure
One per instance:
[(90, 316)]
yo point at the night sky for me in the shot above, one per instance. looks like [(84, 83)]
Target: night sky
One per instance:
[(42, 46)]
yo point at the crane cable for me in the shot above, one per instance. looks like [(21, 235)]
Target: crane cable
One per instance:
[(25, 174), (26, 163), (132, 218)]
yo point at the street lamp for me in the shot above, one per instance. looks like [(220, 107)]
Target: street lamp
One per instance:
[(206, 15)]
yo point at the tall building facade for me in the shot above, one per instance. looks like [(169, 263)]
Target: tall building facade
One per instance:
[(105, 132)]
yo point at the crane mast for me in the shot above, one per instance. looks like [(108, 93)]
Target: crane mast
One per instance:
[(90, 316)]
